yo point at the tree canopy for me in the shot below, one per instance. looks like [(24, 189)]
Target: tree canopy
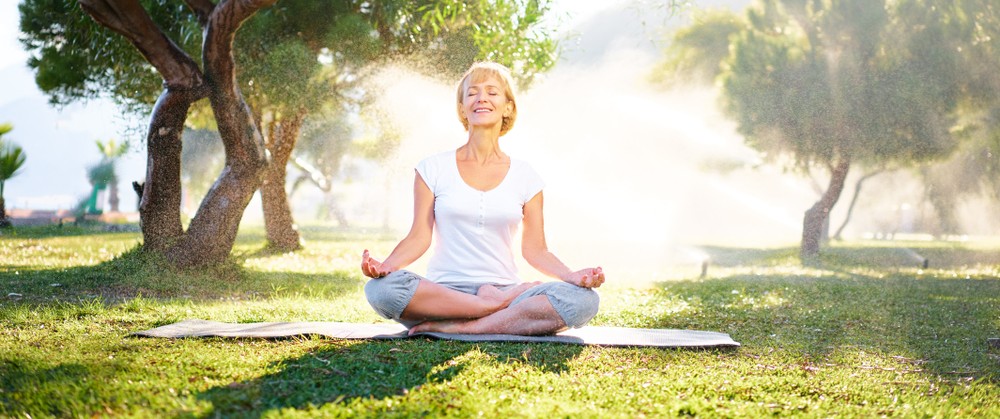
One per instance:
[(296, 53), (838, 83)]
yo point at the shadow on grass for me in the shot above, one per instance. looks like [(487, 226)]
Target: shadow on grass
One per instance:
[(17, 376), (134, 274), (374, 370)]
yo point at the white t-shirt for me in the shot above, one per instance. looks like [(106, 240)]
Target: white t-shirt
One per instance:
[(474, 230)]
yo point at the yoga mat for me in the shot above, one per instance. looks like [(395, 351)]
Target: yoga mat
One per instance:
[(588, 335)]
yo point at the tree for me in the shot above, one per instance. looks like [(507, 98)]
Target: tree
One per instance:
[(697, 52), (12, 158), (839, 83), (975, 167), (111, 151), (292, 59), (49, 27)]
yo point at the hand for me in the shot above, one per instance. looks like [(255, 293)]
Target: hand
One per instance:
[(586, 278), (373, 268)]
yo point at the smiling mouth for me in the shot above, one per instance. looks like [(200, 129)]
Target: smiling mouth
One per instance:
[(481, 110)]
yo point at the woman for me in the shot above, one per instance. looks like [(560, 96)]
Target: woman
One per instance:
[(473, 199)]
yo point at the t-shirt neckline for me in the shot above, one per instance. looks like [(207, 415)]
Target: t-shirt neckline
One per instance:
[(454, 164)]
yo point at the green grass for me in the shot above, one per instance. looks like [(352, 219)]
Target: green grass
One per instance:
[(866, 332)]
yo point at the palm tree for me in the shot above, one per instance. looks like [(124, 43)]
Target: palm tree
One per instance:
[(11, 159), (110, 152)]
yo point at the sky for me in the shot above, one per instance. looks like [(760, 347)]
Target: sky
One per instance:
[(60, 142)]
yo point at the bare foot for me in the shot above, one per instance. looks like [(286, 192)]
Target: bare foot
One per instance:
[(502, 299), (443, 326)]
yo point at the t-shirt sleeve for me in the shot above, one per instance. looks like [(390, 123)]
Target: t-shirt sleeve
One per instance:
[(533, 183), (428, 171)]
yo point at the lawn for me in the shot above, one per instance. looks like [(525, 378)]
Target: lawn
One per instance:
[(866, 332)]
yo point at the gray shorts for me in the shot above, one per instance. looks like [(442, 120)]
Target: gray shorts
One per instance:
[(390, 295)]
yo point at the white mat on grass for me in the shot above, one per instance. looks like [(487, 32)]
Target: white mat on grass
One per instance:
[(588, 335)]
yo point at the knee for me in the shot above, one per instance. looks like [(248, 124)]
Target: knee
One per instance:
[(390, 294), (576, 305), (586, 304)]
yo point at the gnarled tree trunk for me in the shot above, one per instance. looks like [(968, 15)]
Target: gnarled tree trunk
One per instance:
[(212, 232), (160, 206), (282, 234), (817, 217)]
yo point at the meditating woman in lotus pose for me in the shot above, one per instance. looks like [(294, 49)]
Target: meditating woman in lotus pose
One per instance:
[(473, 200)]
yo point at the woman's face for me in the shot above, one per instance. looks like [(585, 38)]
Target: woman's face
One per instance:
[(485, 103)]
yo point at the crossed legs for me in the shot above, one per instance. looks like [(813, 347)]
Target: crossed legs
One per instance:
[(534, 316), (524, 309)]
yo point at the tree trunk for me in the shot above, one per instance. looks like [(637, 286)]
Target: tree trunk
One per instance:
[(113, 196), (159, 207), (818, 215), (282, 234), (212, 232), (332, 210)]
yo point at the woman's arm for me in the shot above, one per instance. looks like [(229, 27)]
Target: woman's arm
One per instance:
[(415, 243), (536, 251)]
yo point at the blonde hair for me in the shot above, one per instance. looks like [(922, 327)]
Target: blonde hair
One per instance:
[(481, 71)]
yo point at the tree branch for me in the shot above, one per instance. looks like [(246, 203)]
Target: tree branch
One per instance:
[(854, 200), (312, 174), (220, 73), (225, 19), (130, 19), (202, 9)]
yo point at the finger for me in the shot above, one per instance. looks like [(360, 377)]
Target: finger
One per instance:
[(598, 273), (372, 269)]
